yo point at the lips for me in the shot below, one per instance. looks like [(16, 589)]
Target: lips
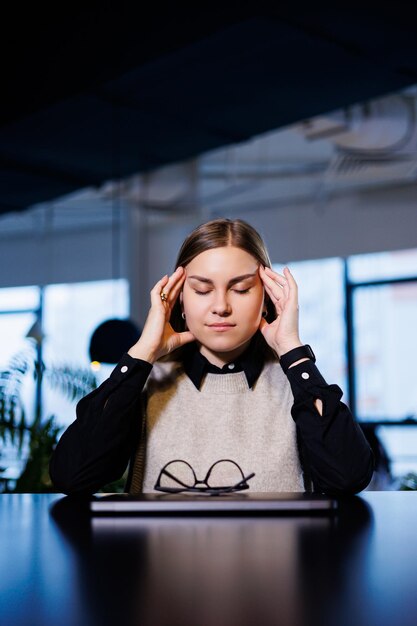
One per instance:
[(221, 326)]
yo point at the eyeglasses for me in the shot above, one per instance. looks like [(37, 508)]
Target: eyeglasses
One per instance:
[(224, 476)]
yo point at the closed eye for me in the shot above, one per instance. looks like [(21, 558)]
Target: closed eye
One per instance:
[(204, 293), (242, 290)]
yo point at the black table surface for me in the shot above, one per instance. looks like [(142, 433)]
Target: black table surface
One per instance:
[(59, 566)]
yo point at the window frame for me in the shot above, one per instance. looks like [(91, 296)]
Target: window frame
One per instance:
[(351, 287)]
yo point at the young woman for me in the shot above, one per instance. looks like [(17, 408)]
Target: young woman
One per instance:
[(219, 372)]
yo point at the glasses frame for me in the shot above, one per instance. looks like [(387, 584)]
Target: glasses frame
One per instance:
[(207, 489)]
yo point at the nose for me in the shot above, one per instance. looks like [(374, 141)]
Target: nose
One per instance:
[(221, 305)]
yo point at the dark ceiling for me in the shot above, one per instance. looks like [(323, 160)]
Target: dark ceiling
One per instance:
[(100, 93)]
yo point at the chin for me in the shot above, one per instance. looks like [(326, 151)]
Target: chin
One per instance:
[(225, 344)]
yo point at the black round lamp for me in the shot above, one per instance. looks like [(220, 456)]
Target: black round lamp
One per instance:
[(111, 339)]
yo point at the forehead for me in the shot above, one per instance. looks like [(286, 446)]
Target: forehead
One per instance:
[(227, 261)]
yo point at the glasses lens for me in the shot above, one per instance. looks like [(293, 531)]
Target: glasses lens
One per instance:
[(224, 474), (177, 474)]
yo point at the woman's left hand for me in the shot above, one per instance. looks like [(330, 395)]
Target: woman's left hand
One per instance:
[(282, 334)]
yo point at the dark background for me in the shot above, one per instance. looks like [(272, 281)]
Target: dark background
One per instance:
[(110, 89)]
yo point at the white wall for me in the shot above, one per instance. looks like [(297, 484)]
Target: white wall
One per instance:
[(72, 256)]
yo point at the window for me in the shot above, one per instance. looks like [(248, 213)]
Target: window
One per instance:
[(382, 289), (366, 307), (383, 266), (71, 314), (384, 326), (18, 308), (322, 304), (68, 314), (18, 313), (73, 311)]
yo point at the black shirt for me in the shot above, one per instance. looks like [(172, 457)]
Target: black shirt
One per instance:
[(96, 448), (196, 365)]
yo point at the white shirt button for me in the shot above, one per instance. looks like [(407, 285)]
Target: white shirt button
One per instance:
[(231, 366), (124, 369), (305, 375)]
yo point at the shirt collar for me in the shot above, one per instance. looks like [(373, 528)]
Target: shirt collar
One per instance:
[(196, 365)]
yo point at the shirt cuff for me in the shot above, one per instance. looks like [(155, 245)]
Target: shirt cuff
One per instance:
[(130, 368), (305, 379)]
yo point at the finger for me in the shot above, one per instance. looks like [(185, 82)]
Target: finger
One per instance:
[(179, 339), (185, 337), (163, 288), (290, 278), (292, 285), (279, 303), (279, 279), (274, 287), (275, 298), (156, 291), (276, 277), (160, 288), (176, 287), (286, 281), (172, 280)]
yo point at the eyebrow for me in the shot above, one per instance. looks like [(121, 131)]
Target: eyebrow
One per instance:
[(232, 281)]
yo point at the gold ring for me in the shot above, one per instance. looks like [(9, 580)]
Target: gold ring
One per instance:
[(164, 297)]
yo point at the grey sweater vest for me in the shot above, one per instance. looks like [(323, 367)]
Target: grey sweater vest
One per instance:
[(225, 419)]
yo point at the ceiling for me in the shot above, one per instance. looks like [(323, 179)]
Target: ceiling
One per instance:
[(102, 93)]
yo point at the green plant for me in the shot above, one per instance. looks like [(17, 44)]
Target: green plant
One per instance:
[(408, 482), (40, 434), (117, 486)]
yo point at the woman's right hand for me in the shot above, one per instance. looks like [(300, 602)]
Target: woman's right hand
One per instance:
[(158, 338)]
